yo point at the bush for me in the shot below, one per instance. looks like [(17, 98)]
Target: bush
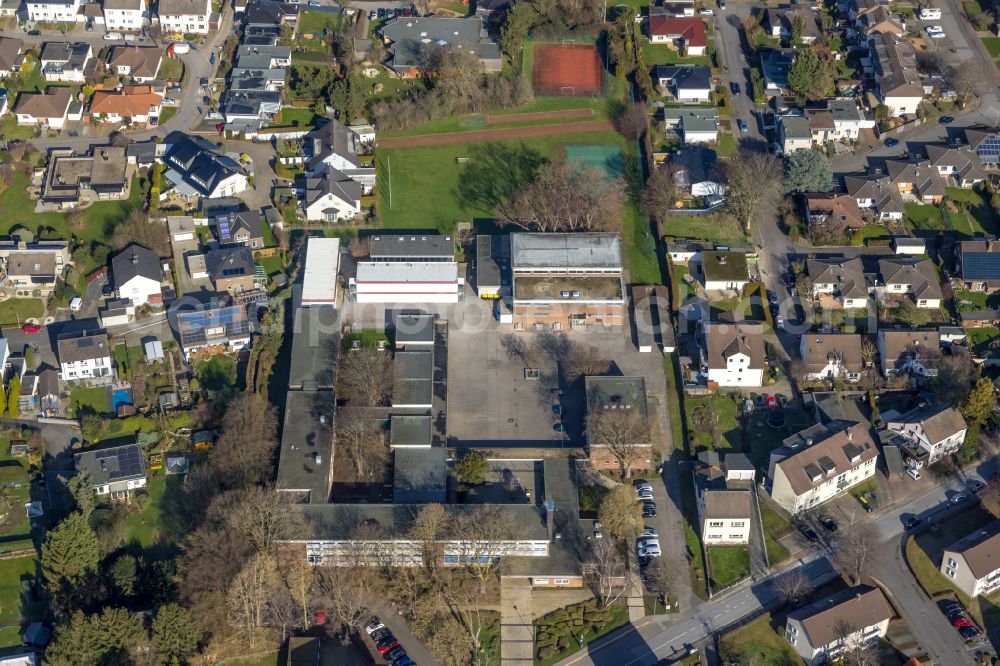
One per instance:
[(472, 468), (546, 652)]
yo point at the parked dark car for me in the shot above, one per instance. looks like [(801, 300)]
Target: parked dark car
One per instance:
[(735, 87), (951, 608), (107, 290), (809, 534), (386, 644), (890, 142), (395, 653), (648, 510), (944, 120), (968, 633), (829, 523), (911, 521)]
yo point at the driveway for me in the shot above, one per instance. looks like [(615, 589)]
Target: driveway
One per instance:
[(736, 69)]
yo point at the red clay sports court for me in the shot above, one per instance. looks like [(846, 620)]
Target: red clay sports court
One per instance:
[(567, 69)]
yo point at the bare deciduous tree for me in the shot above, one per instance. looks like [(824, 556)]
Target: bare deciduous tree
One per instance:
[(857, 650), (364, 443), (282, 612), (263, 516), (248, 597), (633, 123), (563, 197), (343, 590), (243, 454), (605, 569), (754, 179), (853, 550), (793, 587), (300, 578), (366, 373), (581, 360), (868, 351), (660, 194), (138, 228), (620, 514), (360, 247), (487, 537), (428, 527), (623, 432)]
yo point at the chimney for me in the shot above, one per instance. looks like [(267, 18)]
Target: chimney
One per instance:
[(135, 258), (850, 435)]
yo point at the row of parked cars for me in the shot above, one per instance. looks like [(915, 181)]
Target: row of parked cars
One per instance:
[(959, 619), (647, 546), (391, 12), (387, 644)]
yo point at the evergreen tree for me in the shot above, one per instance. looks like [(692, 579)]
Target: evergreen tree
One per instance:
[(70, 554), (74, 643), (176, 633)]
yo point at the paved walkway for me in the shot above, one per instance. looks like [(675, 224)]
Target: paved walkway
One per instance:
[(516, 624)]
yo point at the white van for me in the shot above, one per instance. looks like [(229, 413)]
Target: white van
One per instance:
[(914, 474), (930, 14), (75, 304)]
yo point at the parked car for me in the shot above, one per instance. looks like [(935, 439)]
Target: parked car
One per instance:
[(782, 400), (780, 322), (107, 290), (945, 120), (372, 15), (734, 88), (381, 634), (394, 654), (650, 532), (211, 59), (743, 125), (650, 550), (958, 498), (930, 14), (381, 12), (758, 401), (559, 427), (30, 328), (890, 142), (935, 32), (809, 534), (975, 485), (373, 625), (390, 13), (74, 134), (649, 510), (638, 483), (169, 100), (772, 402), (829, 523), (386, 644), (34, 33), (646, 494), (911, 521), (174, 90), (951, 608), (113, 37), (968, 633), (313, 3), (914, 474), (722, 4), (403, 660), (706, 11)]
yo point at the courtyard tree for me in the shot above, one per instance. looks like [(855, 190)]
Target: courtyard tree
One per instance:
[(807, 170), (262, 515), (620, 514), (363, 442), (633, 122), (604, 567), (980, 403), (858, 649), (342, 592), (472, 468), (564, 197), (430, 523), (623, 433), (366, 374), (754, 179)]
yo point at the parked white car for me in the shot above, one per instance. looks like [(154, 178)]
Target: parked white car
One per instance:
[(650, 532), (706, 12), (935, 32), (930, 14), (113, 36), (648, 548)]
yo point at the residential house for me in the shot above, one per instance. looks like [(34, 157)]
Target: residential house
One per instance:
[(841, 279), (231, 269), (916, 353), (245, 227), (840, 211), (832, 355), (848, 120), (263, 56), (873, 17), (567, 281), (876, 194), (332, 197), (724, 497), (114, 471), (821, 125), (243, 79), (774, 64), (48, 109), (685, 83), (986, 144), (617, 401), (897, 80), (247, 109), (931, 432), (137, 275), (794, 133), (116, 312), (673, 9), (734, 354), (693, 124), (855, 618), (782, 24), (917, 278), (196, 168), (65, 62), (260, 13), (72, 180), (722, 270), (85, 356), (137, 105), (140, 63), (407, 36), (959, 165), (696, 174), (916, 180), (10, 55), (34, 266), (185, 16), (336, 146), (53, 11), (819, 463), (214, 329), (124, 14), (973, 562), (686, 35), (979, 264)]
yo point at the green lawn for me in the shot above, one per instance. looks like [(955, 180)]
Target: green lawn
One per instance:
[(979, 219), (694, 552), (775, 527), (861, 236), (293, 117), (759, 641), (272, 265), (719, 227), (924, 216), (11, 575), (15, 529), (992, 45), (166, 113), (981, 339), (10, 130), (14, 311), (640, 252), (726, 146), (764, 438), (660, 54), (311, 22), (143, 526), (171, 69), (94, 398), (728, 564)]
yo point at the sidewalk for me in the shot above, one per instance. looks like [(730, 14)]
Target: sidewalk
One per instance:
[(516, 624)]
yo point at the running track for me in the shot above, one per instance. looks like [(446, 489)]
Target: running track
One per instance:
[(496, 134)]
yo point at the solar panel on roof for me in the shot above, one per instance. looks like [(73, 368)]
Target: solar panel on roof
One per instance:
[(224, 228), (981, 265), (85, 342), (229, 272)]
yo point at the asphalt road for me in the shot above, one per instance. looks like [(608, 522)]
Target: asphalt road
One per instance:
[(735, 69)]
